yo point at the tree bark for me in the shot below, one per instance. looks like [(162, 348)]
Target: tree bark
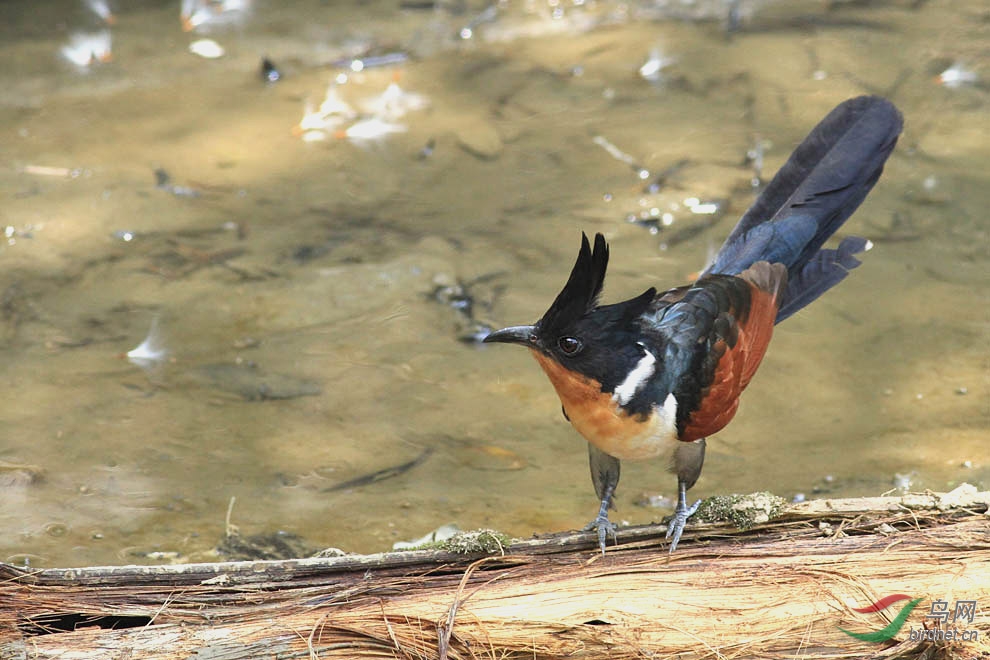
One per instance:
[(783, 588)]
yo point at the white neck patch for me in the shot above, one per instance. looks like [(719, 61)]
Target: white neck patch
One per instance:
[(636, 379)]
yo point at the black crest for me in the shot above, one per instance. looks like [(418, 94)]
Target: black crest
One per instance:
[(580, 295)]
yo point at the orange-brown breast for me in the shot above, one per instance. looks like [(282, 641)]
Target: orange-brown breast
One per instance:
[(599, 418), (736, 367)]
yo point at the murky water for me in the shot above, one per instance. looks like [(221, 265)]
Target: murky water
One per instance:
[(298, 287)]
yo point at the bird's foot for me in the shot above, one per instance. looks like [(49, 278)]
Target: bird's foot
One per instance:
[(605, 528), (676, 524)]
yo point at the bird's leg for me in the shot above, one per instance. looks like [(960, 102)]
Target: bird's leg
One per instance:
[(604, 526), (605, 476), (688, 459), (681, 514)]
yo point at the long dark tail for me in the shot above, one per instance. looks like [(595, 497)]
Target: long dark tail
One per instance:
[(816, 190)]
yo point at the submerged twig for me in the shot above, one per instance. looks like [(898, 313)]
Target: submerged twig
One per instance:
[(381, 475)]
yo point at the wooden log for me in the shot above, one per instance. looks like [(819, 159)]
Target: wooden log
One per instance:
[(785, 588)]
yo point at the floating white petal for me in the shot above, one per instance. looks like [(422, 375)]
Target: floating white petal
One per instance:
[(653, 68), (84, 49), (206, 48), (956, 76), (394, 103), (372, 129), (151, 351), (102, 9), (208, 14), (333, 105)]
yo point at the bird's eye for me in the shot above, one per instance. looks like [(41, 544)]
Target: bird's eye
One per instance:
[(570, 345)]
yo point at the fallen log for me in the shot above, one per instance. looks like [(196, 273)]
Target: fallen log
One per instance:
[(782, 588)]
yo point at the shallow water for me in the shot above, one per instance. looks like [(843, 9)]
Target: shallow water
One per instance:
[(296, 292)]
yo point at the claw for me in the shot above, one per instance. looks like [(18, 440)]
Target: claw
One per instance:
[(679, 519), (605, 528)]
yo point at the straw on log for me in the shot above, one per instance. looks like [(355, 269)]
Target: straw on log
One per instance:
[(778, 590)]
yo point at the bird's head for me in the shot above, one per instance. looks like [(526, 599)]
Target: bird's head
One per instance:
[(576, 333)]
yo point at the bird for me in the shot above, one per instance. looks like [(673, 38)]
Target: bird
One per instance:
[(653, 376)]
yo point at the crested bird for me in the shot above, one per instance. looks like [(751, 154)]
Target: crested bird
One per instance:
[(655, 375)]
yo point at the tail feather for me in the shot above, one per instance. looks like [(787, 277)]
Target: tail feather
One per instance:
[(825, 270), (817, 189)]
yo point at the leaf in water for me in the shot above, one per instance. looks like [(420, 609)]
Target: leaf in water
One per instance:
[(494, 458)]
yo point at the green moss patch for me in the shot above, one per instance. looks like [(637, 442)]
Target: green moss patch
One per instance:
[(743, 511)]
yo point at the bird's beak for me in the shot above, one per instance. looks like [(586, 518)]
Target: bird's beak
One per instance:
[(517, 334)]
